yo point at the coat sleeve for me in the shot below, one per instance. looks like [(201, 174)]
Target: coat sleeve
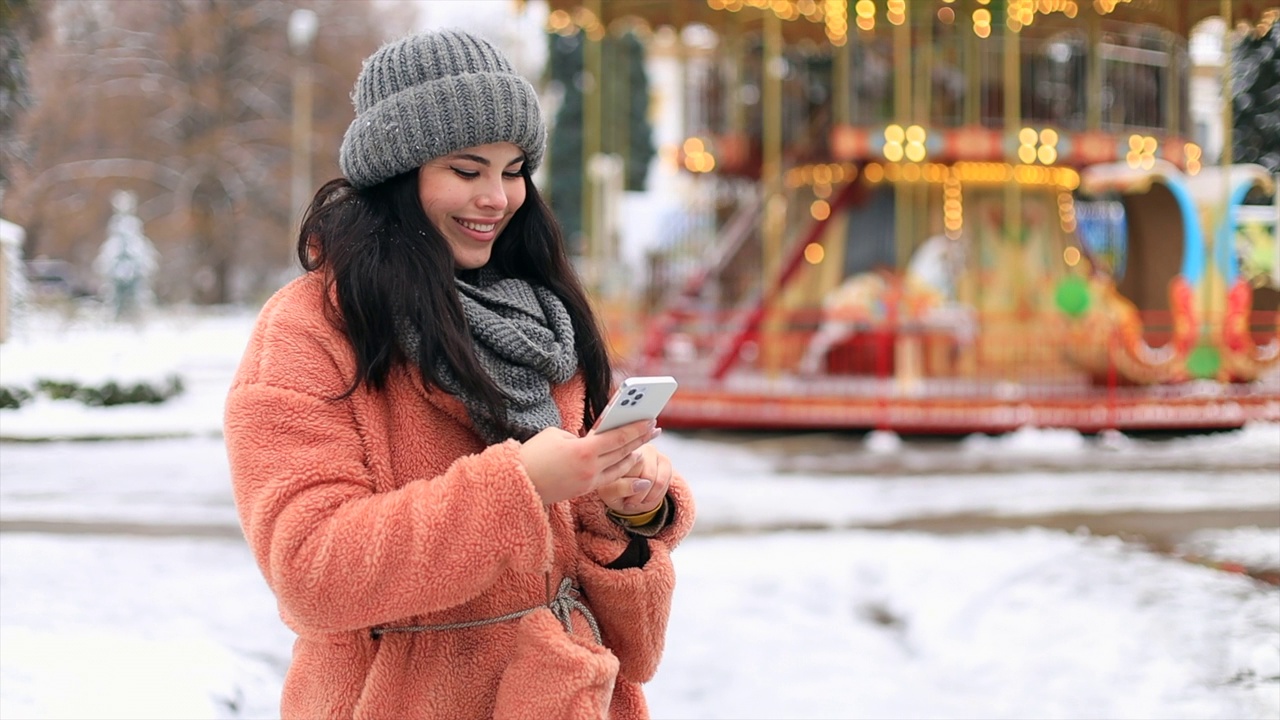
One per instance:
[(632, 605), (341, 557)]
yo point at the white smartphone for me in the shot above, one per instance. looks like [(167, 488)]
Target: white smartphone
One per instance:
[(637, 398)]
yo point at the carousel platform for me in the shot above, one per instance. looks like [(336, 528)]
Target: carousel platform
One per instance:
[(954, 406)]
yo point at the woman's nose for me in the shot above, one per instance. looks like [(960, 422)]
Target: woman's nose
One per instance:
[(493, 196)]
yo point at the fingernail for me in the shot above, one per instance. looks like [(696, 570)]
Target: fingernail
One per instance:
[(641, 485)]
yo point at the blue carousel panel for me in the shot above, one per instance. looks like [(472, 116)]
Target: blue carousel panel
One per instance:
[(1104, 234)]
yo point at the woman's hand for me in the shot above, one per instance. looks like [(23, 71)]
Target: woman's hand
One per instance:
[(563, 466), (642, 488)]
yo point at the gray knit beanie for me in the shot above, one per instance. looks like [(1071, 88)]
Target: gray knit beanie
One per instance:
[(433, 93)]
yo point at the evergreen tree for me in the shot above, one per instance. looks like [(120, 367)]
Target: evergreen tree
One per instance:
[(631, 108), (625, 129), (19, 25), (1255, 89), (564, 64)]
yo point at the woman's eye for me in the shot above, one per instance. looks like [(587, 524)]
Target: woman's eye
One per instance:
[(467, 174), (512, 175)]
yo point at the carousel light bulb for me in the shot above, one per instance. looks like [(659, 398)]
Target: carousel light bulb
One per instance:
[(814, 253)]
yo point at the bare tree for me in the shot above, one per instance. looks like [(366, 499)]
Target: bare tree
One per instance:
[(186, 103)]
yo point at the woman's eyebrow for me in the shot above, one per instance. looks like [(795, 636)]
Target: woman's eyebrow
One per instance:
[(473, 158), (484, 160)]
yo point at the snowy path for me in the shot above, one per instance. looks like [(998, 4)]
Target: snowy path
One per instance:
[(139, 599), (184, 482), (1018, 623)]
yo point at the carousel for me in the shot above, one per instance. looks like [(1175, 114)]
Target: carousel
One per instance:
[(950, 216)]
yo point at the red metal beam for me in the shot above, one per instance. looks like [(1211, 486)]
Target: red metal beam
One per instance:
[(849, 193)]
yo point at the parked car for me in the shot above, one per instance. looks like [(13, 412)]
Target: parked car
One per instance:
[(54, 279)]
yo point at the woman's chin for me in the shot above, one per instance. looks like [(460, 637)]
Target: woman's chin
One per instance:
[(472, 260)]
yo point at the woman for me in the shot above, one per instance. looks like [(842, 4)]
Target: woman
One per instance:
[(408, 429)]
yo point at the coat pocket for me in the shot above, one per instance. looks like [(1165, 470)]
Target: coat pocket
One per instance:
[(554, 674)]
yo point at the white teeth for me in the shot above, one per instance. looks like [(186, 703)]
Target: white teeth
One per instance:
[(478, 227)]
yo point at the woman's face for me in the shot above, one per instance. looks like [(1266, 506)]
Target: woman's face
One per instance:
[(470, 196)]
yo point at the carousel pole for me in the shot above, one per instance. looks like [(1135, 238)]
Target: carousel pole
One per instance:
[(1173, 81), (1214, 290), (591, 130), (1228, 115), (971, 292), (1093, 79), (1012, 124), (775, 208), (735, 110), (923, 91), (973, 74), (840, 81), (902, 194), (912, 68)]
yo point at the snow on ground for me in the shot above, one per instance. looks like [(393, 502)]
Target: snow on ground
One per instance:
[(1002, 625), (118, 627), (843, 623), (202, 349), (736, 488), (853, 624)]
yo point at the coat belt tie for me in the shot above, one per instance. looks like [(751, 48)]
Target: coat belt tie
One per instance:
[(562, 605)]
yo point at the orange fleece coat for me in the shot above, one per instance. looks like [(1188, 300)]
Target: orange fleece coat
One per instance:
[(386, 509)]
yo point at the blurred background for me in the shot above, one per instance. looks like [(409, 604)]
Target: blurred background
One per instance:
[(973, 303)]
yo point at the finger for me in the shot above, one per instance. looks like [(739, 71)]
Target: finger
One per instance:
[(609, 457), (661, 481), (626, 490), (619, 468), (614, 493), (644, 430), (644, 501)]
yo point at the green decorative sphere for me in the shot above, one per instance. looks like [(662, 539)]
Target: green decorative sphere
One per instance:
[(1072, 295), (1204, 362)]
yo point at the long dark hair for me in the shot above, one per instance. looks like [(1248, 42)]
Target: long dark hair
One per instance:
[(386, 260)]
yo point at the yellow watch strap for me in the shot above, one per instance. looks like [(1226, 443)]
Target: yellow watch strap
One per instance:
[(639, 520)]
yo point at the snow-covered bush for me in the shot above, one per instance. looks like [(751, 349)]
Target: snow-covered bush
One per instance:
[(110, 392), (12, 397)]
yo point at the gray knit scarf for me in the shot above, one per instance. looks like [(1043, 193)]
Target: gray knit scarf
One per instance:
[(523, 338)]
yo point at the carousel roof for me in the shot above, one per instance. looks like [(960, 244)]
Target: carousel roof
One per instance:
[(832, 19)]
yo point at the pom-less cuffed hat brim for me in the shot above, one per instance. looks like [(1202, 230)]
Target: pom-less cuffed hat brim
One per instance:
[(433, 119)]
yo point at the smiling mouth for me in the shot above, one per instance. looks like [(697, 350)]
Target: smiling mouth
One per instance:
[(478, 227)]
